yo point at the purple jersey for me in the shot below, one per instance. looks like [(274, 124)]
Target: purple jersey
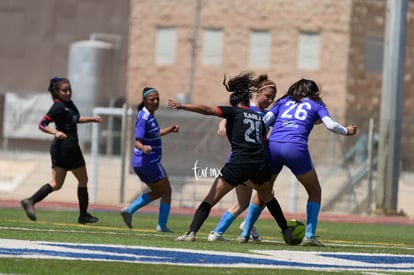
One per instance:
[(147, 130), (293, 122)]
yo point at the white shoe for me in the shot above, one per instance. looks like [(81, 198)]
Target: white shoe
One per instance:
[(215, 237), (253, 233), (241, 239), (311, 242), (190, 237)]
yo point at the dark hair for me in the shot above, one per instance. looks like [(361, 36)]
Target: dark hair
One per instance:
[(144, 95), (263, 80), (55, 84), (241, 87), (304, 88)]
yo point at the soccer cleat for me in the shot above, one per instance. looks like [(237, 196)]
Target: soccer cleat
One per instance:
[(288, 237), (189, 237), (311, 242), (242, 239), (164, 229), (28, 208), (127, 217), (88, 218), (253, 233), (215, 237)]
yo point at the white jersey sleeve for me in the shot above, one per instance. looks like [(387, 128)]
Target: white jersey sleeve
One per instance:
[(269, 119), (334, 126)]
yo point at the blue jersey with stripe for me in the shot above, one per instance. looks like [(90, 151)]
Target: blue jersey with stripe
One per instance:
[(293, 121), (148, 131)]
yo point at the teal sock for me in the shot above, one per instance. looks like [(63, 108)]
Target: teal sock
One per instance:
[(251, 218), (312, 213), (226, 220), (140, 202), (164, 214)]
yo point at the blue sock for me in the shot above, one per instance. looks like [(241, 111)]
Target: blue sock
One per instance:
[(251, 218), (226, 220), (164, 214), (140, 202), (312, 213)]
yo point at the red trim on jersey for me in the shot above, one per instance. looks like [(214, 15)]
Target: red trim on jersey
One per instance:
[(219, 111)]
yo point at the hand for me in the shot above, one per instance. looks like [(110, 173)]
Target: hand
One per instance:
[(60, 135), (174, 128), (221, 132), (97, 119), (173, 104), (352, 130), (146, 149)]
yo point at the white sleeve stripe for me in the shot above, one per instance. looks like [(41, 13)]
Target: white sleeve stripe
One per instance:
[(334, 126)]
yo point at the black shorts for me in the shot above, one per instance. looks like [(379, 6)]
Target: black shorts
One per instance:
[(236, 173), (67, 157)]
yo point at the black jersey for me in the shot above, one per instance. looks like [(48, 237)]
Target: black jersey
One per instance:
[(245, 131), (65, 115)]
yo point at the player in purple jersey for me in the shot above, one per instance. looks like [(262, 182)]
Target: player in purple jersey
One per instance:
[(246, 133), (292, 118), (264, 95), (65, 151), (146, 161)]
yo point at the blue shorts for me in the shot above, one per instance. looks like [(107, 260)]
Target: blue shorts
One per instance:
[(295, 156), (150, 172)]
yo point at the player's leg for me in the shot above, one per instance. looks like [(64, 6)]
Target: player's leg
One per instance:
[(217, 191), (243, 195), (163, 188), (83, 196), (311, 183), (58, 177)]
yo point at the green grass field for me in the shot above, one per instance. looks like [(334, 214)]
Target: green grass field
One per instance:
[(61, 226)]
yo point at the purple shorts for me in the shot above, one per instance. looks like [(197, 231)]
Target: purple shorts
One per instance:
[(294, 156), (150, 172)]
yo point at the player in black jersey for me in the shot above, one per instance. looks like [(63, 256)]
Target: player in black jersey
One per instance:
[(246, 133), (65, 151)]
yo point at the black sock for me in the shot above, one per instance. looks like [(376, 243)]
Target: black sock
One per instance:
[(83, 198), (41, 193), (277, 213), (200, 216)]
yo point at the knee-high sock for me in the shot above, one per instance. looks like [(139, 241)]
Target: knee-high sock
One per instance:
[(251, 218), (277, 213), (41, 193), (200, 216), (83, 198), (140, 202), (226, 220), (164, 214), (312, 213)]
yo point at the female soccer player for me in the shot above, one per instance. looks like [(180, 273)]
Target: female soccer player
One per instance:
[(246, 133), (264, 95), (65, 150), (146, 160), (292, 118)]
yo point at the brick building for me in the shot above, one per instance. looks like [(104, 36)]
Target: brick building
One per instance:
[(337, 43)]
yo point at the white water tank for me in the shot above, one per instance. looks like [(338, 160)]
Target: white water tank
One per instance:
[(90, 72)]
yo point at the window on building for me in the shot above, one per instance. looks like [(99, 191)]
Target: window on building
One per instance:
[(260, 46), (373, 55), (309, 50), (212, 46), (166, 43)]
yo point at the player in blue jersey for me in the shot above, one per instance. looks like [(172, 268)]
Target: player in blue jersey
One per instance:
[(246, 133), (264, 96), (65, 151), (146, 161), (292, 118)]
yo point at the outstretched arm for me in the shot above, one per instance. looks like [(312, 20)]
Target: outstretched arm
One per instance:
[(337, 128), (197, 108), (172, 129), (86, 119)]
